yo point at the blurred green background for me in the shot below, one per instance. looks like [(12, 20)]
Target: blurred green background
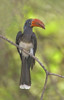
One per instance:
[(13, 14)]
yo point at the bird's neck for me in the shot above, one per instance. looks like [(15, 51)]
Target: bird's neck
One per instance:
[(27, 30)]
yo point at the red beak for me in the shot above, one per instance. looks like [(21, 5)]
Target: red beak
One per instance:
[(38, 23)]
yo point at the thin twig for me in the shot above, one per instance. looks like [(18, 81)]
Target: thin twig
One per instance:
[(56, 75), (44, 86), (47, 73)]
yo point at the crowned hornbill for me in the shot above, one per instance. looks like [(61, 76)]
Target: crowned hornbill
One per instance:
[(28, 41)]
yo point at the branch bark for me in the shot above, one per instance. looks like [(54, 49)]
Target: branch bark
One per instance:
[(44, 86), (46, 71)]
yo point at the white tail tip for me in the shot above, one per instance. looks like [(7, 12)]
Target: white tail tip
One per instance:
[(24, 86)]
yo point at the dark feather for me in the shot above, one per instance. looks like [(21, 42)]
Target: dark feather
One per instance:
[(18, 39), (29, 61), (25, 72), (34, 41)]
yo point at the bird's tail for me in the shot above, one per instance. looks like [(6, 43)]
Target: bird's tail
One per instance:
[(25, 79)]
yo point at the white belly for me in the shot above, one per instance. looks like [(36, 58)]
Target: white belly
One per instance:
[(27, 46)]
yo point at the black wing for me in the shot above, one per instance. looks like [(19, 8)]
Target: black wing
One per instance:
[(18, 39), (34, 41)]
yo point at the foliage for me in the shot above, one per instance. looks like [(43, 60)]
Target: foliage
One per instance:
[(50, 52)]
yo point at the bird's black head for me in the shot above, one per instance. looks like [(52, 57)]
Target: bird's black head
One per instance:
[(30, 23)]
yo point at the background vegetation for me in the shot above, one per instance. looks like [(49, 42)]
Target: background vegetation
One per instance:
[(13, 14)]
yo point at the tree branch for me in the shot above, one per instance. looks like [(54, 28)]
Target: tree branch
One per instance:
[(23, 51), (44, 86), (56, 75), (47, 73)]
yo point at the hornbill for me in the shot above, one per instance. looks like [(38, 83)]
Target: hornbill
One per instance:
[(28, 41)]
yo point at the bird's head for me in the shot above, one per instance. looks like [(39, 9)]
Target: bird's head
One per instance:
[(34, 23)]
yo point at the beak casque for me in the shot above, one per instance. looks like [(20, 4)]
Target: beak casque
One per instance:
[(37, 23)]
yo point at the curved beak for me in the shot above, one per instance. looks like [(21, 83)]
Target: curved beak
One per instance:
[(37, 23)]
